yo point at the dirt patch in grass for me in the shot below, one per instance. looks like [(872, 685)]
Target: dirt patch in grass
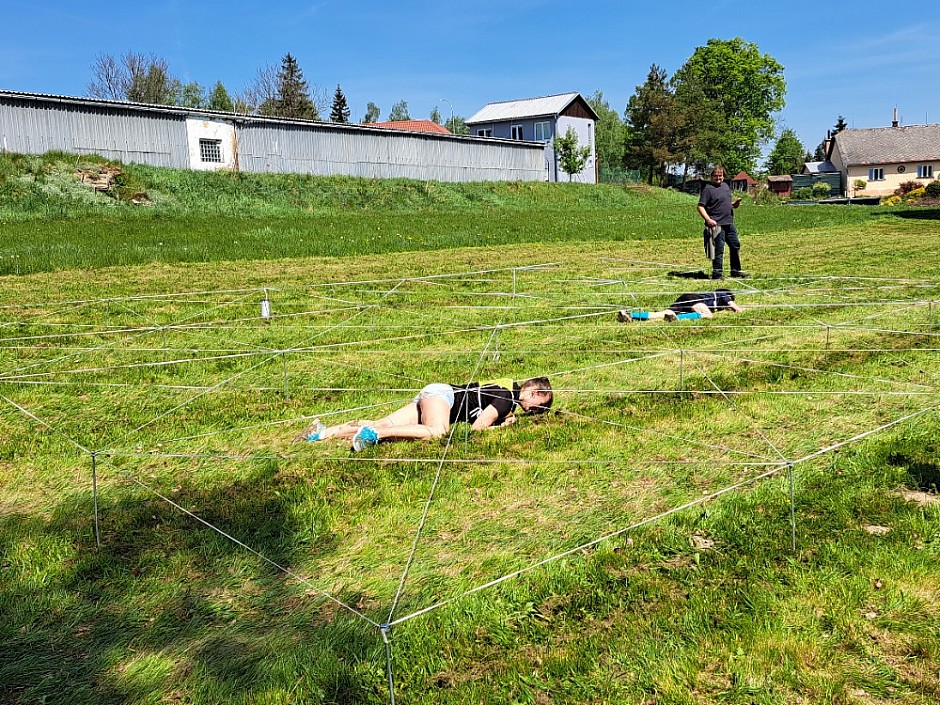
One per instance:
[(924, 499)]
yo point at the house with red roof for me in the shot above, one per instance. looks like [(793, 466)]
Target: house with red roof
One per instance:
[(413, 126), (742, 182)]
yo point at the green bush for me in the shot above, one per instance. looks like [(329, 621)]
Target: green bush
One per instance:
[(859, 184), (821, 189), (932, 190), (803, 194)]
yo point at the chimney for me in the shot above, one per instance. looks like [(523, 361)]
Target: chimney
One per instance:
[(894, 122)]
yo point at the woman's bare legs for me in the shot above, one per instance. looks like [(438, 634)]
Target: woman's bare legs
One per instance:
[(405, 416), (431, 419)]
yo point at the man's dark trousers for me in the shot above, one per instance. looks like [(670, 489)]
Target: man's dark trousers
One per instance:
[(728, 234)]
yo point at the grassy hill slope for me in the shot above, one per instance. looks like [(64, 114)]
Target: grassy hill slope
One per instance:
[(51, 220)]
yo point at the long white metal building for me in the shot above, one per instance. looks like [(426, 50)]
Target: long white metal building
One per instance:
[(185, 138)]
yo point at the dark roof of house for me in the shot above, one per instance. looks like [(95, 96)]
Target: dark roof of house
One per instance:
[(888, 145), (412, 126), (546, 106)]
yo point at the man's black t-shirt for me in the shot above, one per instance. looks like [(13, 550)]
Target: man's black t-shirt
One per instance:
[(470, 400), (717, 202)]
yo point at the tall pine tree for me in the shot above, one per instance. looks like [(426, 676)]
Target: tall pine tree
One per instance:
[(293, 93), (340, 110)]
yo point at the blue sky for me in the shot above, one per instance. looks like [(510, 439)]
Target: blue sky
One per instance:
[(858, 59)]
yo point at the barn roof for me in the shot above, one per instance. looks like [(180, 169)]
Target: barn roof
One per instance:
[(546, 106)]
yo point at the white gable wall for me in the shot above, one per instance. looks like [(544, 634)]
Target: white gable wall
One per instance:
[(584, 128)]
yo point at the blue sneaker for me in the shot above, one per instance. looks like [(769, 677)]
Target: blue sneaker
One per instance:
[(317, 431), (364, 439), (313, 432)]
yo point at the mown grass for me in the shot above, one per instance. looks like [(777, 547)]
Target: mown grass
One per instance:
[(51, 221), (165, 374)]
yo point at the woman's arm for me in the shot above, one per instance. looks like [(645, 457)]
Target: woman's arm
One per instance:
[(486, 419)]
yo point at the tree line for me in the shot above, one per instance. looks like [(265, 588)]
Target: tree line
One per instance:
[(718, 108), (275, 91)]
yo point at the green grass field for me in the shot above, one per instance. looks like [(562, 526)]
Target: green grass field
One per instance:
[(634, 546)]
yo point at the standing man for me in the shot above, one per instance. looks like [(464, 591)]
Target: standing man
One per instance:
[(717, 209)]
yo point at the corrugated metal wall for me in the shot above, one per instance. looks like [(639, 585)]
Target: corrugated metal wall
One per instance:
[(32, 127), (267, 146), (157, 136)]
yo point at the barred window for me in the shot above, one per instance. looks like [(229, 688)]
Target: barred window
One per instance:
[(925, 171), (876, 174), (210, 150), (516, 131)]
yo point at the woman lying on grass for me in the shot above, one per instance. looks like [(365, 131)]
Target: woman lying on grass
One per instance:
[(687, 306), (482, 404)]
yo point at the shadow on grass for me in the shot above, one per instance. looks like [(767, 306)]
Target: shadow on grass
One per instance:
[(169, 610), (918, 214)]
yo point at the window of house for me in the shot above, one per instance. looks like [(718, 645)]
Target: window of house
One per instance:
[(924, 171), (210, 150), (516, 132), (543, 131), (485, 132), (876, 173)]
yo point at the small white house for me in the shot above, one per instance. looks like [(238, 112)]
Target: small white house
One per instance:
[(541, 120)]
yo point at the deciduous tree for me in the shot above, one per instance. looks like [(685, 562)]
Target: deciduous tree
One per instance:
[(399, 111), (190, 95), (373, 112), (609, 133), (261, 96), (787, 156), (570, 156), (109, 79), (140, 78), (149, 80), (741, 90), (457, 125), (435, 115)]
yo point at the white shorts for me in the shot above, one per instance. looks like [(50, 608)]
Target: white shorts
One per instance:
[(441, 391)]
